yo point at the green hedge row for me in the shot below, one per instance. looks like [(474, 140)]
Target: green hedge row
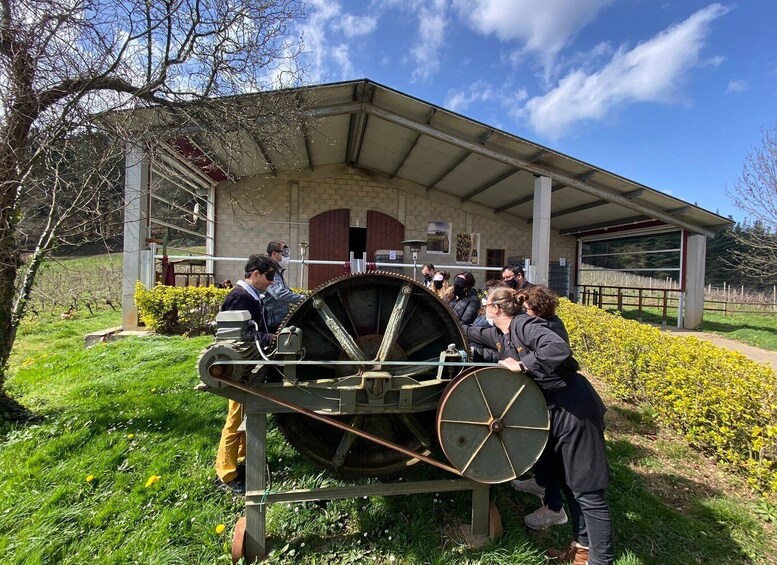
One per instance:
[(178, 310), (724, 403)]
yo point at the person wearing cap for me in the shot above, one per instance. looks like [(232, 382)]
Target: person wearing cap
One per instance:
[(279, 296), (427, 270), (442, 287), (514, 277), (246, 295)]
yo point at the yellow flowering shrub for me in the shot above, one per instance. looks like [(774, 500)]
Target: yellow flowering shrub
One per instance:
[(178, 309), (724, 403)]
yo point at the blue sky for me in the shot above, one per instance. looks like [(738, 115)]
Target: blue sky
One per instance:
[(669, 94)]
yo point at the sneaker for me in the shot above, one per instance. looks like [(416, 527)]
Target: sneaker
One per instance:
[(529, 486), (570, 554), (545, 518), (235, 486)]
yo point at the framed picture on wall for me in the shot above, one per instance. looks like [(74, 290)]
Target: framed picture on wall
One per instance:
[(438, 238), (468, 248)]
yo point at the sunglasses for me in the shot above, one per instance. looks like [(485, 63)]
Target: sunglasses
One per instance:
[(285, 252)]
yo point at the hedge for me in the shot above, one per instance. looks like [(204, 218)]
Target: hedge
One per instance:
[(183, 310), (722, 402)]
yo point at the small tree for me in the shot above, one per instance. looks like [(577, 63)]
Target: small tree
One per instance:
[(755, 193), (63, 61)]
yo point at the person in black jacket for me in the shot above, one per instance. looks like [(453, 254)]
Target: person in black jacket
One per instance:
[(514, 277), (528, 345), (465, 302), (246, 295), (539, 300)]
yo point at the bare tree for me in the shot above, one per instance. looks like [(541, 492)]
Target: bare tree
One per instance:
[(64, 61), (755, 193)]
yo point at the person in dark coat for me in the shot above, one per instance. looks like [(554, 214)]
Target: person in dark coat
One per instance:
[(514, 277), (539, 300), (246, 295), (465, 302), (529, 345)]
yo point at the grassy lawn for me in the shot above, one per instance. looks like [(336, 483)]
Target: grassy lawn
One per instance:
[(122, 412), (758, 330)]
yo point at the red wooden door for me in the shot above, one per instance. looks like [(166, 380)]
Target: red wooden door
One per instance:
[(328, 232), (383, 232)]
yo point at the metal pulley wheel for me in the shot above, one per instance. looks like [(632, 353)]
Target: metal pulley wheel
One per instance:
[(364, 318), (492, 424)]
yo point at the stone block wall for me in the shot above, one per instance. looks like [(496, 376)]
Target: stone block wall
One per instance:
[(255, 211)]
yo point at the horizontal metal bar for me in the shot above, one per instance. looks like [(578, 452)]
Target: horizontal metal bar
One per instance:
[(377, 489), (630, 253), (372, 362)]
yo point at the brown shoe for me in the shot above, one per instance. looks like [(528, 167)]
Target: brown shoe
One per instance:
[(581, 557), (570, 554)]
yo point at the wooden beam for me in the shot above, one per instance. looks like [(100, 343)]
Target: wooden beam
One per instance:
[(604, 225), (412, 145), (474, 147), (265, 155), (494, 181)]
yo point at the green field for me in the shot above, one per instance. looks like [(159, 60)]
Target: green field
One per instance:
[(73, 484)]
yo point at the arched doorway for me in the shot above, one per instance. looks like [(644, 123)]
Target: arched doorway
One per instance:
[(329, 240)]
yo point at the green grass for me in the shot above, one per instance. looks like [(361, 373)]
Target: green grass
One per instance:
[(758, 330), (127, 410)]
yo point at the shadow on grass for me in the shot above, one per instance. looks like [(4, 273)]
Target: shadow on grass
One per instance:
[(658, 517), (724, 328)]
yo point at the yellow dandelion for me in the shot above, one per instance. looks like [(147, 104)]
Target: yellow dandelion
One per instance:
[(89, 478), (152, 480), (130, 436), (153, 390), (220, 528)]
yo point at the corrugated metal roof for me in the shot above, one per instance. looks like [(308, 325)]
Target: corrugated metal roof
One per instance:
[(371, 126)]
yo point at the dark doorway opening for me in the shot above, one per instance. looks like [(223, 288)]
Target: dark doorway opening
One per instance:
[(357, 241)]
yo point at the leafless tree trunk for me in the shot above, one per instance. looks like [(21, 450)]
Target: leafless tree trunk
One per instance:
[(755, 193), (62, 62)]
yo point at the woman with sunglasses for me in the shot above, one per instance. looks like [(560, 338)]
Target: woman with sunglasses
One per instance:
[(529, 345)]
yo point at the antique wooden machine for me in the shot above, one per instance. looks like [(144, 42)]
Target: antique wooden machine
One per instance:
[(366, 377)]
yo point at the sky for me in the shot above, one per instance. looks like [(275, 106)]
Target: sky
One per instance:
[(673, 95)]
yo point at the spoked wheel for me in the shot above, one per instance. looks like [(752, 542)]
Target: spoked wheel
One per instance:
[(369, 318), (493, 424)]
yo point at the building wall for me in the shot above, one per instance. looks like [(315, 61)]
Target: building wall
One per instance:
[(289, 201)]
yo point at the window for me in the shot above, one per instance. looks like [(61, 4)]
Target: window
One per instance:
[(494, 258)]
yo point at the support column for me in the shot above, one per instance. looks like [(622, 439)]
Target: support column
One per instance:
[(540, 239), (136, 180), (694, 281), (295, 269)]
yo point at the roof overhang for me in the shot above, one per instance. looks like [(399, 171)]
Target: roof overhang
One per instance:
[(370, 126)]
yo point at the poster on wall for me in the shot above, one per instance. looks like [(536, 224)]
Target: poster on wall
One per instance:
[(468, 248), (438, 238)]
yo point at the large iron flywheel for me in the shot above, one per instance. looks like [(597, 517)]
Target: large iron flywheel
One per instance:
[(369, 317)]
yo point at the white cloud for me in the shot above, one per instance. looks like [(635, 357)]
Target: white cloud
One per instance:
[(314, 36), (480, 92), (543, 28), (430, 39), (341, 56), (737, 85), (356, 26), (650, 72)]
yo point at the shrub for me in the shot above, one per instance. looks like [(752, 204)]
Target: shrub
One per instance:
[(724, 403), (183, 310)]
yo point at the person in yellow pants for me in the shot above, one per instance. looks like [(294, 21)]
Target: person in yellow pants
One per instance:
[(246, 295)]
